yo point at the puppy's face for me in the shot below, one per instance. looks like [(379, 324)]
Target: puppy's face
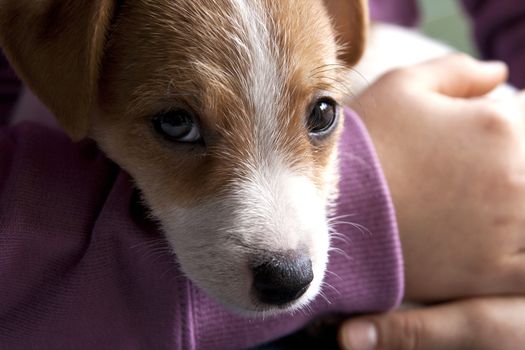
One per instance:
[(226, 114)]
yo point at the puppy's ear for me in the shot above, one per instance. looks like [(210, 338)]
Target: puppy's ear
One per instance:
[(56, 47), (350, 19)]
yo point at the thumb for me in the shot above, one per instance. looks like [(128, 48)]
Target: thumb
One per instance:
[(441, 327), (459, 75)]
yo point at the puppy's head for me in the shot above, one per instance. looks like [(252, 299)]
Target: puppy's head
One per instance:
[(226, 113)]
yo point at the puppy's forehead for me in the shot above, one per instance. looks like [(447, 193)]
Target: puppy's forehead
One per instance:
[(261, 48), (226, 52)]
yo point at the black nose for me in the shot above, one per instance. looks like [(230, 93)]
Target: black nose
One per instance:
[(281, 279)]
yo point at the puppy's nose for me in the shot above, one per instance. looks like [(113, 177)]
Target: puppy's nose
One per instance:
[(282, 278)]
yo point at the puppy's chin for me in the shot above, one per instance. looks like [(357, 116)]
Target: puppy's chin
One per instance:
[(218, 242)]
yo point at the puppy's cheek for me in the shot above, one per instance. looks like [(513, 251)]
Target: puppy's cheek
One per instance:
[(199, 238)]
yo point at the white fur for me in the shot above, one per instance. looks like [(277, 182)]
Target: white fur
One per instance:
[(272, 210), (265, 83)]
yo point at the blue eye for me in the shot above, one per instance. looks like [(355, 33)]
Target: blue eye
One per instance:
[(322, 117), (178, 125)]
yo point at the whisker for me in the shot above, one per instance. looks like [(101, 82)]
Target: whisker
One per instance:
[(341, 238), (323, 295), (334, 274), (328, 285), (339, 251)]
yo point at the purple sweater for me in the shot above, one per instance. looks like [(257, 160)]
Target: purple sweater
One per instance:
[(80, 267)]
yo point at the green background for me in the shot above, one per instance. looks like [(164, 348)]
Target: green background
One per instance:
[(444, 20)]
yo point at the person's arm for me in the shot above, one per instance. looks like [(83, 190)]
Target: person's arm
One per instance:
[(499, 28), (455, 165)]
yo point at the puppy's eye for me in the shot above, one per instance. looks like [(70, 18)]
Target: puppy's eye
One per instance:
[(177, 125), (322, 117)]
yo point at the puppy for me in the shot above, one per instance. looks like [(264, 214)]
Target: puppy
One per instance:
[(226, 113)]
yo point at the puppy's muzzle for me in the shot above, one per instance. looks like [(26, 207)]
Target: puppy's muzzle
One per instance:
[(282, 278)]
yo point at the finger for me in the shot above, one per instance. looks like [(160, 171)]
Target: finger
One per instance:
[(422, 329), (491, 323), (459, 75)]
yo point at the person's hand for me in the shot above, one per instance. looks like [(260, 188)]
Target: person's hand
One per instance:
[(455, 165), (480, 324)]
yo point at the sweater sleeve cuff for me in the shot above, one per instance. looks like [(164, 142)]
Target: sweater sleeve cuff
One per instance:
[(365, 271)]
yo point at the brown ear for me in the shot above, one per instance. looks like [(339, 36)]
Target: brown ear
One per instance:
[(56, 47), (351, 22)]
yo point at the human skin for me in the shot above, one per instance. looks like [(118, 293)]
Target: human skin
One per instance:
[(455, 163)]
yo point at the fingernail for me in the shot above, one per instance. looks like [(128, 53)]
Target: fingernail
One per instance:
[(360, 335)]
